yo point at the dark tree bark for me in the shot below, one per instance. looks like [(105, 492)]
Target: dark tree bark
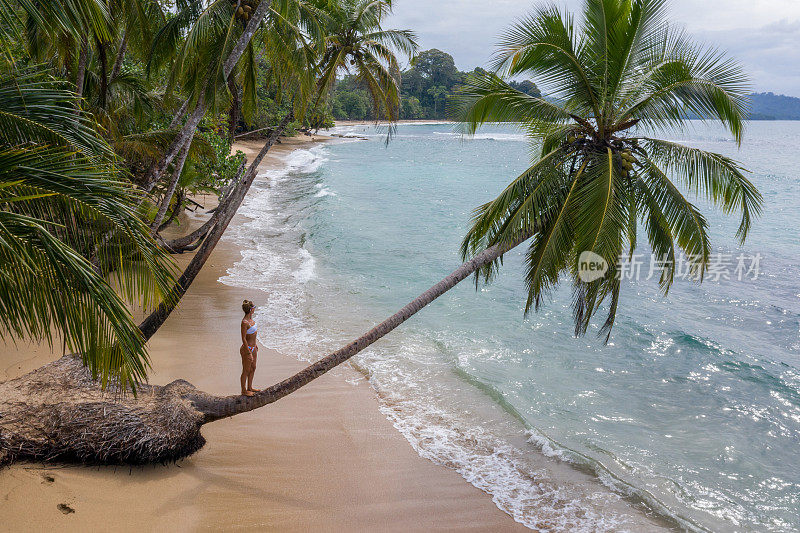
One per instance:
[(234, 111), (182, 244), (173, 184), (177, 145), (101, 52), (123, 46), (180, 115), (175, 211), (81, 74)]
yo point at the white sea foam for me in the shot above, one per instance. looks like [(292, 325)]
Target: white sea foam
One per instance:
[(271, 260), (500, 470), (324, 192), (412, 386), (305, 271)]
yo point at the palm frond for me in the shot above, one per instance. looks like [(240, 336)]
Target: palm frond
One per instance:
[(716, 177)]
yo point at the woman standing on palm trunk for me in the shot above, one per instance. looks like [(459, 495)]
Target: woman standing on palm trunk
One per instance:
[(249, 348)]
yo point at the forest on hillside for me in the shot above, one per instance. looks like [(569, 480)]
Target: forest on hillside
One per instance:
[(425, 87), (433, 77)]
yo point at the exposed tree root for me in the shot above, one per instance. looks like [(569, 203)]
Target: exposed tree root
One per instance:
[(59, 413)]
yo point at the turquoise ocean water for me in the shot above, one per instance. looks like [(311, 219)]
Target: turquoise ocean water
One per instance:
[(691, 412)]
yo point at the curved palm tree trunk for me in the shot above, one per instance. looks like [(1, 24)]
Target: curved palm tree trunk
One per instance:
[(194, 119), (173, 184), (147, 183), (123, 47), (180, 115), (175, 211), (234, 111), (215, 407), (101, 52), (81, 74), (177, 145), (157, 318), (181, 244)]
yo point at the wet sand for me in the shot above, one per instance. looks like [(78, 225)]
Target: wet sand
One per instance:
[(324, 458)]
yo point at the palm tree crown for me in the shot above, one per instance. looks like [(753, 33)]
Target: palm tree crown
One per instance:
[(357, 43), (623, 72)]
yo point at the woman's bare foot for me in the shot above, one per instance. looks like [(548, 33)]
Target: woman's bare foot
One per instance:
[(251, 389), (248, 393)]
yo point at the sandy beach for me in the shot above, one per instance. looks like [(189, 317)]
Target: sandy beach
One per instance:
[(324, 458)]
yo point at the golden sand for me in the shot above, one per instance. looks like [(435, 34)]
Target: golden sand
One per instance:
[(324, 458)]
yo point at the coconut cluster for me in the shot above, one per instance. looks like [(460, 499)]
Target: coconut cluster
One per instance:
[(244, 9), (574, 137), (626, 161)]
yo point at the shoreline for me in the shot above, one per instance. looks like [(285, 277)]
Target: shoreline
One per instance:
[(323, 458), (422, 121), (582, 482)]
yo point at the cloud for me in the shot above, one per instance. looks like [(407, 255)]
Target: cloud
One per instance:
[(763, 34), (466, 29), (770, 54)]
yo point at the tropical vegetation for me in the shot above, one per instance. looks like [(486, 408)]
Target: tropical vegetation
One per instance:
[(116, 112), (425, 89), (90, 174)]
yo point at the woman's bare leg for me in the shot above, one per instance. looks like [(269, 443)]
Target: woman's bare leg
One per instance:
[(252, 372), (246, 363)]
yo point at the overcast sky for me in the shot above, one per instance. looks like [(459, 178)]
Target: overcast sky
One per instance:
[(763, 34)]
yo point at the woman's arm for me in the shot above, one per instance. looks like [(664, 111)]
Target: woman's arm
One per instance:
[(244, 333)]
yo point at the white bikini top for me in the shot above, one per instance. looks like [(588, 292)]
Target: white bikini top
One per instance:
[(252, 329)]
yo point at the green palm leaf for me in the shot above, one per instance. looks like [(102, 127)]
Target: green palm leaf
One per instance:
[(622, 67), (68, 230)]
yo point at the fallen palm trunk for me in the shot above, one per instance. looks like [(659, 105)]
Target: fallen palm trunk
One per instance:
[(184, 244), (58, 413)]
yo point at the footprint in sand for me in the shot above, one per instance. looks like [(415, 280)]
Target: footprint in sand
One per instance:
[(66, 509)]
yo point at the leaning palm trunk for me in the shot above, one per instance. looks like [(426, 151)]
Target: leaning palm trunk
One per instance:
[(81, 74), (173, 184), (123, 47), (194, 119), (215, 407), (154, 321), (58, 413), (235, 109), (180, 115), (182, 244), (176, 210), (181, 139)]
